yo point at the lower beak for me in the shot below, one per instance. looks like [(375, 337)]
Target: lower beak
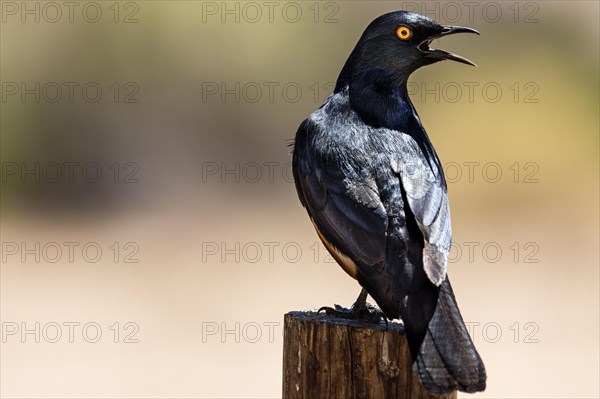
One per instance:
[(442, 54)]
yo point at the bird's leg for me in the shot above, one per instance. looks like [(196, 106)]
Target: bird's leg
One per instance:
[(361, 310), (361, 301)]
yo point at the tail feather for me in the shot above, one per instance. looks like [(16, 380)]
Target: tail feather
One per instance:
[(447, 359)]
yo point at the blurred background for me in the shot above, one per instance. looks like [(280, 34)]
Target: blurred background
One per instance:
[(151, 235)]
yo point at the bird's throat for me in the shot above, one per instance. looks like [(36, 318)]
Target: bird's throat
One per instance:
[(382, 106)]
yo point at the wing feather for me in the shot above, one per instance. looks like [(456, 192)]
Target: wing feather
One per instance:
[(428, 200), (347, 212)]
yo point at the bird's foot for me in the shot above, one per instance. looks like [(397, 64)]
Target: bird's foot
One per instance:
[(368, 313)]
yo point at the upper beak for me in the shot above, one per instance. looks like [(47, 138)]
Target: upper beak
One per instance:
[(442, 54)]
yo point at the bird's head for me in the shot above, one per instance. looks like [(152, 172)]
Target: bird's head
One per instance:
[(398, 43)]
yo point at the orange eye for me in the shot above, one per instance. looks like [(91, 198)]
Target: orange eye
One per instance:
[(403, 32)]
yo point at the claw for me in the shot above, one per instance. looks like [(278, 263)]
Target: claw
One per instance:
[(366, 313)]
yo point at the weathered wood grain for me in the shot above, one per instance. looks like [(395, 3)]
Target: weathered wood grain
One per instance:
[(328, 357)]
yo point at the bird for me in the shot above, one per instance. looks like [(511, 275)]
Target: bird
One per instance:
[(373, 186)]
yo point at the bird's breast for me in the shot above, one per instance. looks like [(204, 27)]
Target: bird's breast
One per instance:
[(343, 260)]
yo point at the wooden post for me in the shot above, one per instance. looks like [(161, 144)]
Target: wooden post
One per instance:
[(328, 357)]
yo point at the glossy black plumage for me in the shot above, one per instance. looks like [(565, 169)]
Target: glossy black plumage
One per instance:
[(373, 186)]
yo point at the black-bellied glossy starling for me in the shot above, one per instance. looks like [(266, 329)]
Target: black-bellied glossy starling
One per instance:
[(375, 191)]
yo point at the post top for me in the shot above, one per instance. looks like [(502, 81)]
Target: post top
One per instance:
[(328, 319)]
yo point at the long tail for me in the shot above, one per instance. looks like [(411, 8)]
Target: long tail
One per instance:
[(447, 359)]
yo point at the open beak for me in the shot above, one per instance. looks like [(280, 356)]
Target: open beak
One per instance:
[(442, 54)]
